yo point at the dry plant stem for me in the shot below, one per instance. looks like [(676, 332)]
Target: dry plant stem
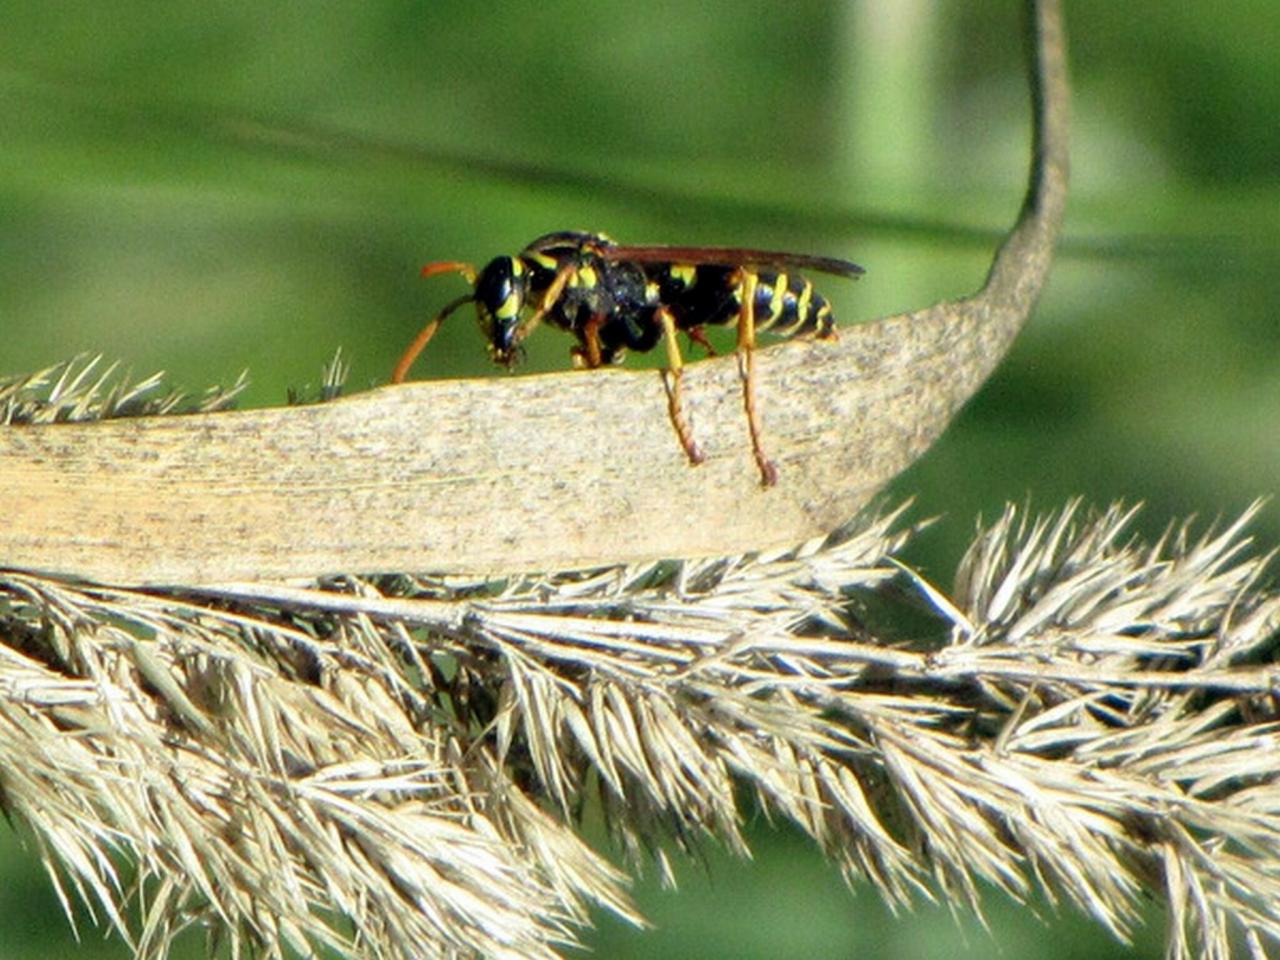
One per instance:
[(494, 475)]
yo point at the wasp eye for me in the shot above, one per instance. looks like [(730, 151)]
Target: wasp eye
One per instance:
[(500, 292), (499, 289)]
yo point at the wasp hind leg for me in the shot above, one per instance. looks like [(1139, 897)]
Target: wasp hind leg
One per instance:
[(747, 369), (671, 378)]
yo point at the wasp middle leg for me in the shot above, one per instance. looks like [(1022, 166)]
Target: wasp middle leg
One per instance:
[(589, 354)]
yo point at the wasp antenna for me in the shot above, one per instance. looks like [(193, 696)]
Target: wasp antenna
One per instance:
[(423, 338), (450, 266)]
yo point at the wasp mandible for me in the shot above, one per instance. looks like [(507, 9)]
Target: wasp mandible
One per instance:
[(615, 297)]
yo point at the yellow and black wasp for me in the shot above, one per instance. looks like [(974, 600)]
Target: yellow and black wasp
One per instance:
[(615, 297)]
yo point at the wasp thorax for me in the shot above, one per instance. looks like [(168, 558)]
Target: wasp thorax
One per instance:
[(500, 295)]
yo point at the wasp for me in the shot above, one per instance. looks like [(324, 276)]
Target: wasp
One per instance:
[(615, 297)]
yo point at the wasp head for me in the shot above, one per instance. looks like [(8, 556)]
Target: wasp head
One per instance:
[(500, 294)]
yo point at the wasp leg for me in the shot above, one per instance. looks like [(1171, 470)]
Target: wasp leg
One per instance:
[(671, 378), (747, 369), (582, 359), (548, 301), (591, 340), (589, 355), (699, 336)]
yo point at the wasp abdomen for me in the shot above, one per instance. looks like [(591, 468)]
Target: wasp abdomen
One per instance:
[(787, 305)]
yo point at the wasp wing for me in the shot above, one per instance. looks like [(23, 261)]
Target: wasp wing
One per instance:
[(731, 257)]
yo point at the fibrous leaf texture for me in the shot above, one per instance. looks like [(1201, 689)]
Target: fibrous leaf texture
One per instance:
[(398, 766)]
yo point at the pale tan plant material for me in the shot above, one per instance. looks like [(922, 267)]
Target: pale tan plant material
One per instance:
[(83, 390), (395, 766)]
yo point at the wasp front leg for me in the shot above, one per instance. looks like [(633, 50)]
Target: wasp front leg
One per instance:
[(747, 369), (672, 378), (553, 294)]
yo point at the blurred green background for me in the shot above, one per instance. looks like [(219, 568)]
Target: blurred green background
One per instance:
[(203, 187)]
